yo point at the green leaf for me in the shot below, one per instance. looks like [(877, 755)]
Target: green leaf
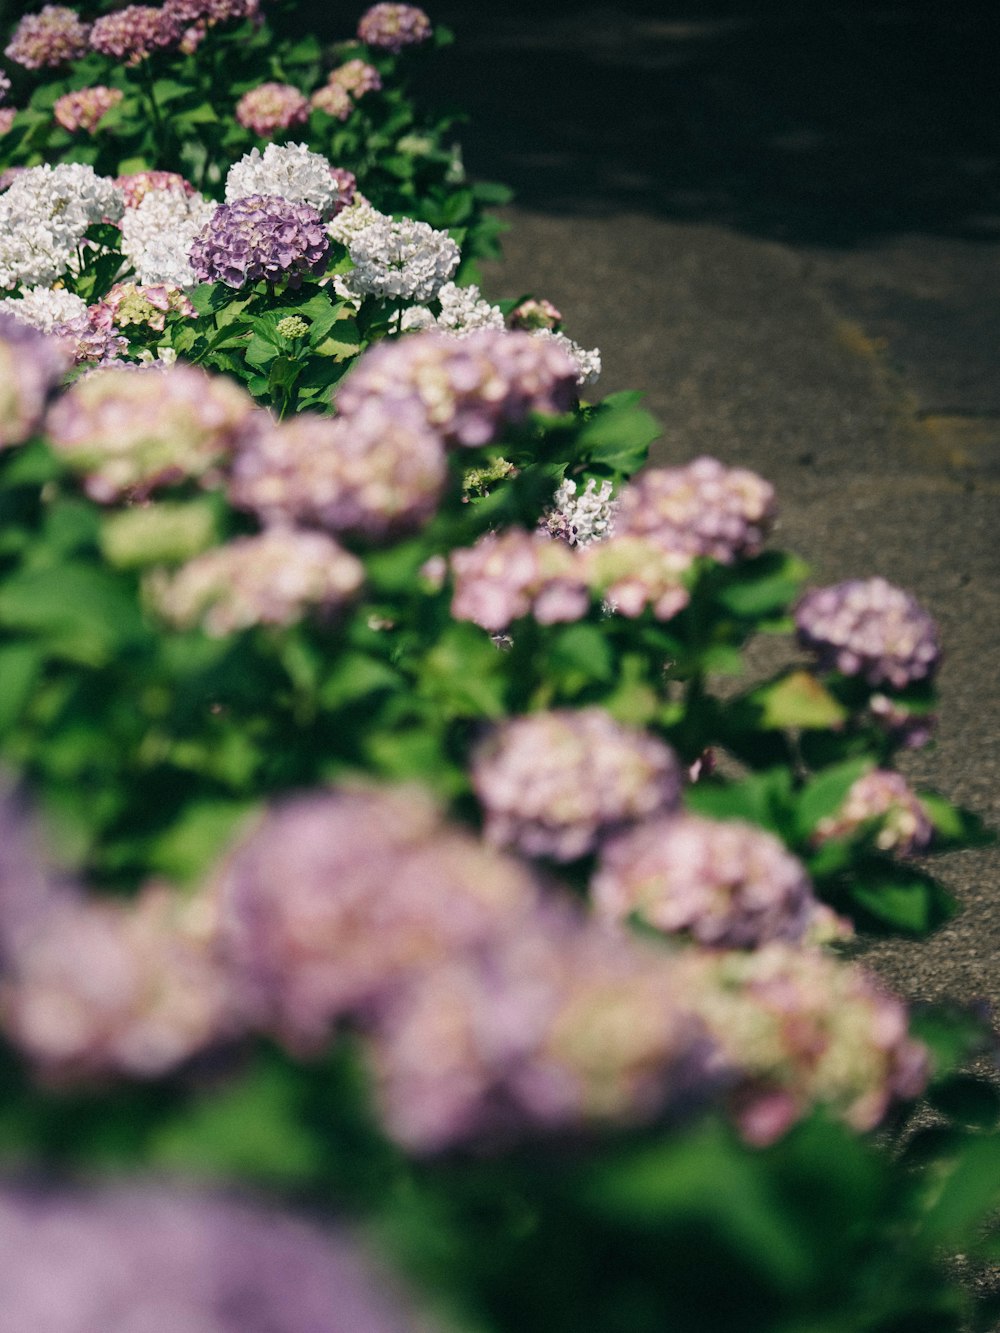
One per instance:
[(902, 897), (582, 654), (970, 1194), (618, 435), (954, 826), (761, 587), (797, 700), (763, 798), (968, 1100), (84, 613), (355, 676), (194, 842), (824, 794), (20, 664), (464, 674)]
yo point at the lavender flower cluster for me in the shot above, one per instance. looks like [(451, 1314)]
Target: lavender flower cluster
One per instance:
[(260, 238), (560, 783), (31, 366), (53, 37), (468, 389), (703, 509), (881, 799), (871, 629), (730, 885), (391, 27), (375, 474), (86, 108), (148, 1258)]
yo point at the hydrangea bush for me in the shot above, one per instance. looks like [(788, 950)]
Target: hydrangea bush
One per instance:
[(381, 829)]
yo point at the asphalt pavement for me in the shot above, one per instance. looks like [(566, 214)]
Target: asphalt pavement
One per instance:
[(782, 223)]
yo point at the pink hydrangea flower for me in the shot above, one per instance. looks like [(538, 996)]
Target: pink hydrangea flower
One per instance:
[(356, 77), (84, 110), (334, 100), (272, 107), (55, 36), (133, 33), (390, 27)]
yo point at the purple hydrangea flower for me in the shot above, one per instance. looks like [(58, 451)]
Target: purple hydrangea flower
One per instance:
[(558, 783), (378, 473), (884, 799), (133, 431), (510, 574), (803, 1029), (145, 1257), (635, 573), (271, 107), (335, 897), (52, 37), (189, 13), (726, 884), (31, 365), (133, 33), (557, 1026), (275, 578), (116, 988), (871, 629), (468, 388), (390, 27), (703, 509), (260, 237)]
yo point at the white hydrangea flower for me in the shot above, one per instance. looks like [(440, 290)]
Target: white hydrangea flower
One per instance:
[(353, 220), (581, 518), (157, 235), (44, 215), (416, 320), (289, 170), (403, 259), (588, 363), (43, 308), (463, 310)]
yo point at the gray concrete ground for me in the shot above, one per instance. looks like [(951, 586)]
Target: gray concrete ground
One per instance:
[(785, 229)]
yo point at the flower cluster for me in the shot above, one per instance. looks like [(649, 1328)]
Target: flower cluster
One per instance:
[(703, 509), (137, 184), (44, 308), (260, 237), (147, 1257), (334, 100), (588, 363), (468, 388), (158, 231), (881, 800), (337, 897), (271, 107), (210, 12), (634, 574), (53, 37), (871, 629), (356, 77), (581, 517), (30, 367), (463, 310), (111, 987), (534, 314), (86, 108), (554, 1026), (44, 215), (402, 260), (291, 172), (133, 33), (804, 1029), (274, 578), (146, 305), (515, 573), (133, 431), (376, 473), (390, 27), (730, 885), (560, 783), (7, 114)]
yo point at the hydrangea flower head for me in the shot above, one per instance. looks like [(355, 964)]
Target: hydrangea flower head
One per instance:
[(152, 1258), (703, 509), (555, 1027), (804, 1029), (468, 388), (45, 308), (635, 574), (871, 629), (272, 107), (44, 215), (207, 13), (7, 114), (535, 314), (334, 100), (137, 185), (884, 799), (514, 573), (133, 431), (727, 884), (146, 305), (31, 366), (133, 33), (400, 259), (390, 27), (260, 238), (157, 233), (580, 517), (290, 171), (86, 108), (588, 363), (275, 578), (378, 473), (336, 897), (53, 37), (356, 77), (559, 783)]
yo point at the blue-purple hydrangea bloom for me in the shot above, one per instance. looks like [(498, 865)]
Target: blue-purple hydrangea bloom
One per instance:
[(260, 237)]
